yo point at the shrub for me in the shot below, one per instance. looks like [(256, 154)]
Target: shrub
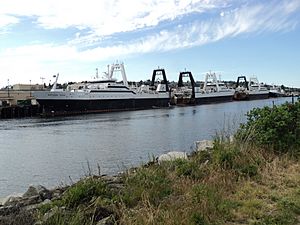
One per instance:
[(276, 128)]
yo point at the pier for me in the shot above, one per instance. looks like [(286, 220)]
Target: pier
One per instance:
[(9, 112)]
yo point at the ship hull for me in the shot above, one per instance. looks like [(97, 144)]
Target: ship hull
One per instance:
[(276, 94), (255, 95), (217, 97), (213, 99), (210, 98), (68, 106)]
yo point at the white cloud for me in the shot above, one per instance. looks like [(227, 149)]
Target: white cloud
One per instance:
[(6, 20), (107, 17), (34, 61), (257, 18)]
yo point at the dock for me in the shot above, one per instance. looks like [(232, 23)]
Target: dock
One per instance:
[(9, 112)]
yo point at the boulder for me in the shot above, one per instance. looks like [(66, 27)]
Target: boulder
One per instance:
[(204, 145), (172, 156), (37, 190), (11, 200)]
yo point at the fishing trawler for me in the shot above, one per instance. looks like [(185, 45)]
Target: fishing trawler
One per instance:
[(184, 94), (213, 91), (104, 95), (251, 90)]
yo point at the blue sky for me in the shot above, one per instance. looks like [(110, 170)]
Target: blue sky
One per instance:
[(231, 37)]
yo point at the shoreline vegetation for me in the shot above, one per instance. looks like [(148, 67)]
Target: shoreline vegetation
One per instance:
[(252, 177)]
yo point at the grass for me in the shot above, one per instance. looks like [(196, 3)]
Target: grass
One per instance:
[(234, 183), (86, 202)]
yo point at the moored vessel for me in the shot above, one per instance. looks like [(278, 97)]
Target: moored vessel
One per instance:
[(184, 93), (213, 91), (250, 90), (276, 92), (104, 95)]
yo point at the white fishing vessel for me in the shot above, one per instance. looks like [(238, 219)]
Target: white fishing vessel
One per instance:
[(251, 90), (104, 95), (213, 91), (276, 91)]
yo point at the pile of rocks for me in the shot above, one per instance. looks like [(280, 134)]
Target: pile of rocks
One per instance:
[(19, 209)]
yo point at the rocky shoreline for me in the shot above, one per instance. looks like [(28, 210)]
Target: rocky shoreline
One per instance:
[(17, 209), (22, 209)]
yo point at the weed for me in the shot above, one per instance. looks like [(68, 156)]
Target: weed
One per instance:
[(291, 204), (84, 190), (281, 218), (151, 183), (212, 202), (198, 219)]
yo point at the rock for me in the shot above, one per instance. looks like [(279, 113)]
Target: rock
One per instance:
[(30, 200), (50, 214), (46, 201), (39, 222), (204, 145), (11, 200), (106, 221), (7, 210), (18, 217), (172, 156), (111, 179), (37, 205), (31, 191), (58, 192), (113, 182), (38, 190)]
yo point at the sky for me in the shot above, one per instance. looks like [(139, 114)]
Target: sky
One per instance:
[(230, 37)]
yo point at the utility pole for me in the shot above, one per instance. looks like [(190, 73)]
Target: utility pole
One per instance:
[(42, 78), (8, 88), (30, 88)]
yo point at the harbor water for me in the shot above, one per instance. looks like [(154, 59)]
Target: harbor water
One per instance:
[(56, 151)]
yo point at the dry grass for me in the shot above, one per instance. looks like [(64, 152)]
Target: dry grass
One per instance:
[(225, 194), (232, 184)]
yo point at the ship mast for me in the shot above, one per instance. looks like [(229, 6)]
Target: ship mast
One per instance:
[(115, 67), (55, 82), (213, 77)]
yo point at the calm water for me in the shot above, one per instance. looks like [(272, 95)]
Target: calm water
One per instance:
[(49, 151)]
